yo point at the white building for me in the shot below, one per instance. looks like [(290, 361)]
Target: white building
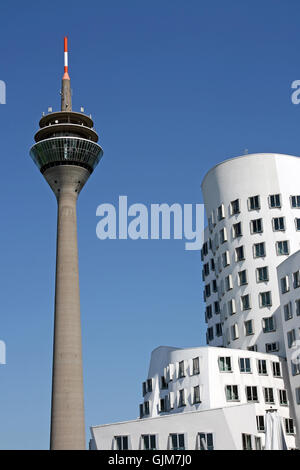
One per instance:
[(289, 288), (199, 393), (213, 429), (217, 397), (252, 203)]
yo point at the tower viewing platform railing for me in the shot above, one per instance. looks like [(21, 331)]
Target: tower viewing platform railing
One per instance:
[(66, 151)]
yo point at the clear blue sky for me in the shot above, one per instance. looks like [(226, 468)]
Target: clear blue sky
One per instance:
[(174, 87)]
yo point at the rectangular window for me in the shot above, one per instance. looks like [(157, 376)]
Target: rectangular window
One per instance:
[(278, 224), (149, 441), (288, 313), (247, 441), (163, 383), (296, 279), (253, 203), (295, 202), (237, 230), (262, 367), (218, 329), (234, 332), (146, 408), (221, 212), (245, 364), (259, 250), (181, 370), (274, 201), (289, 426), (121, 442), (256, 226), (282, 248), (258, 445), (271, 347), (206, 269), (196, 395), (268, 324), (208, 312), (177, 441), (265, 299), (144, 388), (210, 333), (206, 441), (242, 277), (262, 274), (196, 366), (217, 307), (212, 220), (291, 338), (231, 307), (276, 369), (284, 282), (260, 421), (214, 286), (163, 405), (223, 235), (207, 291), (297, 305), (249, 327), (181, 398), (235, 207), (251, 394), (225, 259), (269, 395), (283, 397), (239, 253), (149, 385), (245, 302), (225, 364), (170, 399), (232, 393), (295, 366), (228, 282), (297, 224)]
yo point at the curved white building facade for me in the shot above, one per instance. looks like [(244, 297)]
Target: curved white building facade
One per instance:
[(219, 395), (289, 289), (253, 209)]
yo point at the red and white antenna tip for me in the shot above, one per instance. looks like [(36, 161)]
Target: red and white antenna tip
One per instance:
[(66, 74)]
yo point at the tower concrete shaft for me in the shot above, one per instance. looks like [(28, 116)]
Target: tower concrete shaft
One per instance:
[(66, 152), (67, 410)]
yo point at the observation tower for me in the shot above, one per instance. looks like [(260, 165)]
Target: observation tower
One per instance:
[(66, 152)]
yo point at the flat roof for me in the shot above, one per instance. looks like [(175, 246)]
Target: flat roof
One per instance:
[(175, 415)]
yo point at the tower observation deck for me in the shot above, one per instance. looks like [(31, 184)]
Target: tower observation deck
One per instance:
[(66, 152)]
